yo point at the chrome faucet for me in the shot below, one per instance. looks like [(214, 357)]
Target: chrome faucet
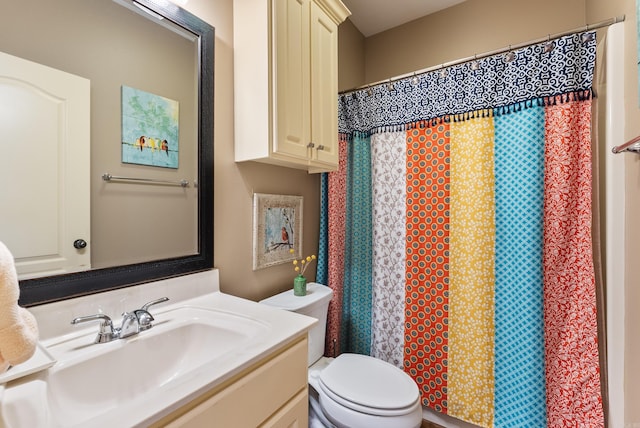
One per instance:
[(132, 323)]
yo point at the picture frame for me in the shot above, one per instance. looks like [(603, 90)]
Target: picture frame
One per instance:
[(150, 129), (277, 229)]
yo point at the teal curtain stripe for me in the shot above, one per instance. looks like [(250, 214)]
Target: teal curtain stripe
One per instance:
[(357, 298), (322, 269), (520, 398)]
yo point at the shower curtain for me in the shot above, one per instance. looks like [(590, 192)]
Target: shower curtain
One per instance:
[(456, 235)]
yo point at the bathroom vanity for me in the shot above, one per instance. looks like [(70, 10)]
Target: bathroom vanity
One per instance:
[(210, 358), (271, 393)]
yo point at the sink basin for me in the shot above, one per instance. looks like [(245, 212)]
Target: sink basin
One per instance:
[(91, 381)]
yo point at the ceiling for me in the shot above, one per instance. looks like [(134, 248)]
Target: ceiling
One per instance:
[(374, 16)]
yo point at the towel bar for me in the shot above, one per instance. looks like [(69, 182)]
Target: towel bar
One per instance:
[(182, 183), (628, 146)]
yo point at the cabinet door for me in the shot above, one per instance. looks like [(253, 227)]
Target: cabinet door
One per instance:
[(292, 92), (255, 398), (324, 88)]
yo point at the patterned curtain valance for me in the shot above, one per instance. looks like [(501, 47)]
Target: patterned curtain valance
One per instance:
[(533, 74)]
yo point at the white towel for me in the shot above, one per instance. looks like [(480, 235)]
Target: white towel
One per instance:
[(18, 328)]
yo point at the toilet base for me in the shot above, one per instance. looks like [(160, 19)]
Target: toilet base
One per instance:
[(343, 417), (317, 419)]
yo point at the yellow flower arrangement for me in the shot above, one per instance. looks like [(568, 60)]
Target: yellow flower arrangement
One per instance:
[(301, 265)]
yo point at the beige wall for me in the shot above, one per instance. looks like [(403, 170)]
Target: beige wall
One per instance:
[(469, 28), (351, 57), (474, 27), (236, 183)]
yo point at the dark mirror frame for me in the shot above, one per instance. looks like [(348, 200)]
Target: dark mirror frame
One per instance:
[(48, 289)]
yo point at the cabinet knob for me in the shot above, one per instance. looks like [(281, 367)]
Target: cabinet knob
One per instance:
[(310, 146), (320, 147)]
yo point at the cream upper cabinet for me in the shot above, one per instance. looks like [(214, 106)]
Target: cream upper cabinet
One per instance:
[(286, 82)]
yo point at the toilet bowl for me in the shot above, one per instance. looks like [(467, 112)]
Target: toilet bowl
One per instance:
[(351, 390)]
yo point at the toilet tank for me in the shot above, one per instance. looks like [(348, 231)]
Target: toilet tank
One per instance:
[(315, 304)]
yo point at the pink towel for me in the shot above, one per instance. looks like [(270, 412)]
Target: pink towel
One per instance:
[(18, 328)]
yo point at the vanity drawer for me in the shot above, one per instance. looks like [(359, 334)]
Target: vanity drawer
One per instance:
[(294, 414), (255, 396)]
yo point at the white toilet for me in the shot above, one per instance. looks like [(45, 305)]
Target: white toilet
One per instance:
[(350, 391)]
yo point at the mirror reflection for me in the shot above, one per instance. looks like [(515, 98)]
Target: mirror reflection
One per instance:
[(104, 88)]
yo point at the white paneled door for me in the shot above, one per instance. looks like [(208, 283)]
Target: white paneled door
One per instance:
[(44, 167)]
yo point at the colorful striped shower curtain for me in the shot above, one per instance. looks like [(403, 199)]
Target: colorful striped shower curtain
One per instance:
[(458, 239)]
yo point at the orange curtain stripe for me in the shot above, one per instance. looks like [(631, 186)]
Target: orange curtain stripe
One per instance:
[(427, 266)]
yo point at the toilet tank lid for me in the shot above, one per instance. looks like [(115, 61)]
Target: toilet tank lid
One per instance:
[(316, 293)]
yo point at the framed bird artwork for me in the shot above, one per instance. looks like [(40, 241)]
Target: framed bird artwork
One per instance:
[(277, 229), (150, 129)]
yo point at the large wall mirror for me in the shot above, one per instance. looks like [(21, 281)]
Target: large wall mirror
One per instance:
[(147, 68)]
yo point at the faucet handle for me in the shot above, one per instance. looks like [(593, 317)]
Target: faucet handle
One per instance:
[(106, 333), (144, 319), (146, 306), (144, 316)]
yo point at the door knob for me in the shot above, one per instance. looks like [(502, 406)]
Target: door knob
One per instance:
[(79, 244)]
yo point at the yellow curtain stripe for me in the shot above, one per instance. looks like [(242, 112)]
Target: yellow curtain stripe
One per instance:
[(472, 277)]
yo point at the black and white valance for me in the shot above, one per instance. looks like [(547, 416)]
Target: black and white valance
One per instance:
[(534, 73)]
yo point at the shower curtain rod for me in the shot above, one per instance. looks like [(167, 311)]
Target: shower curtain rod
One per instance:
[(587, 27)]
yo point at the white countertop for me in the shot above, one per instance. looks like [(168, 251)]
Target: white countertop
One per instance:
[(198, 291)]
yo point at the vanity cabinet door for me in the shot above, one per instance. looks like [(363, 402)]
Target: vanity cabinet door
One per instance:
[(270, 393)]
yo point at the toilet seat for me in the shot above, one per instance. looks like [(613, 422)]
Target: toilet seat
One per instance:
[(369, 385)]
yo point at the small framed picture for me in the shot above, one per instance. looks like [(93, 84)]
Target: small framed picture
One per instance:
[(150, 129), (277, 229)]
